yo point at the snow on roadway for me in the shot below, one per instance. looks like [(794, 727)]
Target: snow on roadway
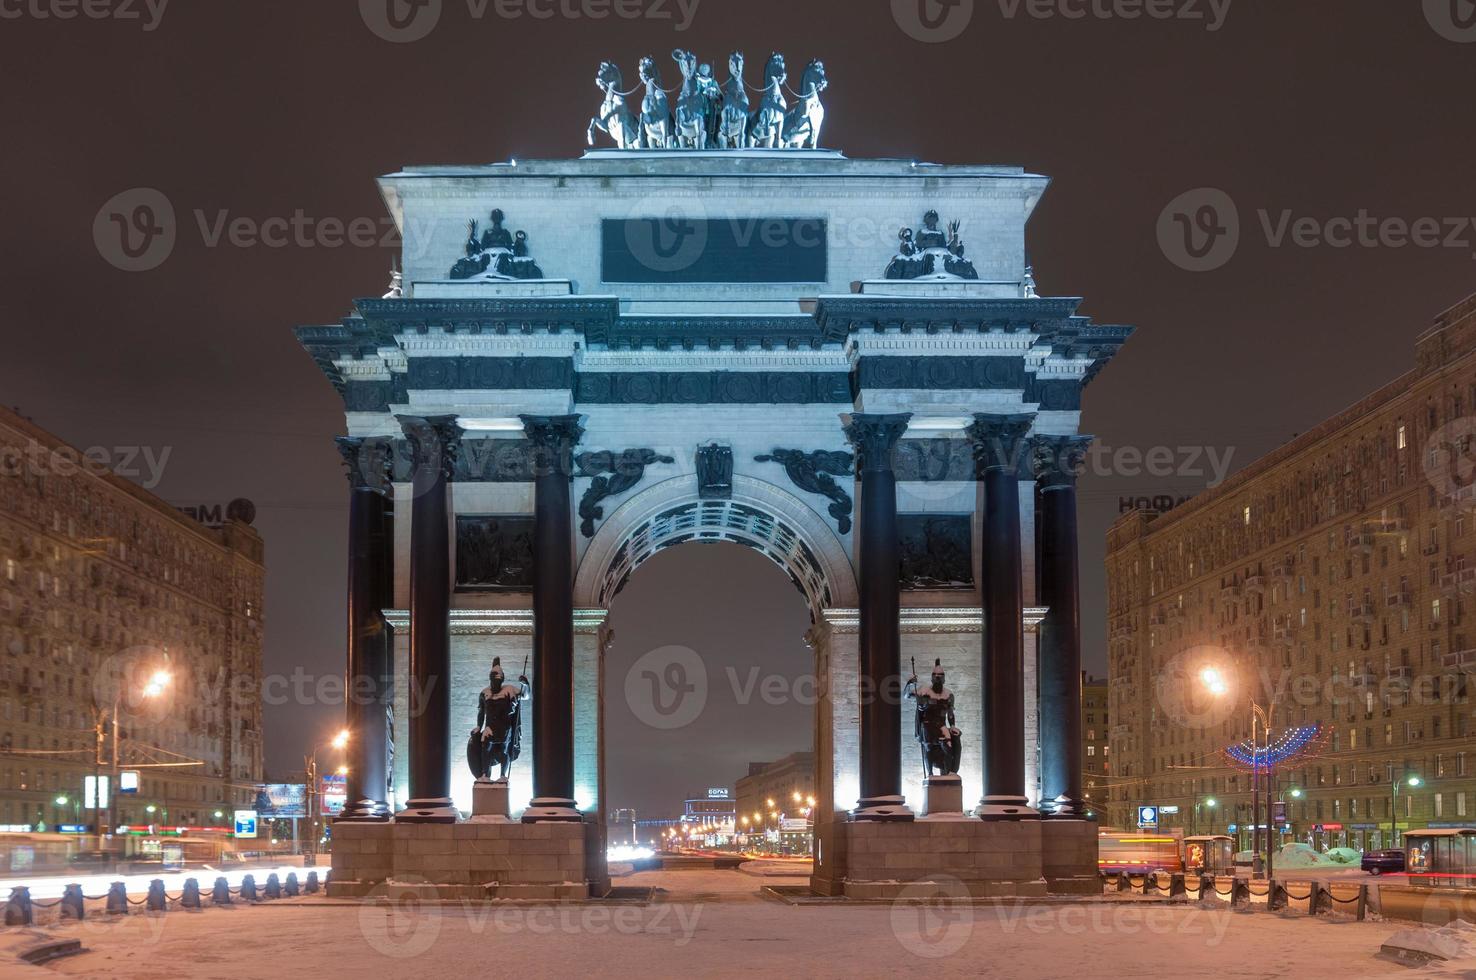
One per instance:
[(715, 923)]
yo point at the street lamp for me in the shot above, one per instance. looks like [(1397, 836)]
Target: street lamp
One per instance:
[(1411, 780), (338, 742), (1218, 684), (157, 684), (1208, 804)]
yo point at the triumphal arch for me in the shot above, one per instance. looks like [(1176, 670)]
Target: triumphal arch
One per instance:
[(714, 331)]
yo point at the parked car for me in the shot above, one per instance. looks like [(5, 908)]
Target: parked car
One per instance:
[(1378, 862)]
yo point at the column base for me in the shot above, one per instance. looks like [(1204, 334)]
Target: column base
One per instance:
[(366, 811), (1063, 808), (1006, 808), (1069, 856), (438, 809), (552, 809), (891, 808)]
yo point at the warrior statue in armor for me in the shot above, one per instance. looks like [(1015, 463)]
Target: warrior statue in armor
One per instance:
[(934, 724), (497, 739)]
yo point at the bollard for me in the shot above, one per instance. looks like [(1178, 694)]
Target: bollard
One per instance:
[(157, 901), (289, 887), (117, 898), (18, 911), (221, 893), (73, 906), (311, 886), (191, 897), (273, 886), (248, 889)]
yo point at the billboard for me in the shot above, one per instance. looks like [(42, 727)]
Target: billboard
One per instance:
[(332, 794), (95, 792), (281, 800)]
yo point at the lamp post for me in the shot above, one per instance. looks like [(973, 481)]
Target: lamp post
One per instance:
[(104, 718), (1411, 780), (1209, 803), (310, 767), (1217, 685)]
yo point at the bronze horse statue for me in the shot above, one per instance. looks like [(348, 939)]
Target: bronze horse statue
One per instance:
[(616, 118), (691, 112), (733, 126), (767, 127), (802, 123), (655, 127)]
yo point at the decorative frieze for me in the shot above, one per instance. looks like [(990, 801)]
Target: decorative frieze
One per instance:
[(495, 373), (494, 553), (613, 474)]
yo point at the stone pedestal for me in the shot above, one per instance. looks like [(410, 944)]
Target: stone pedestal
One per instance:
[(944, 796), (992, 859), (489, 801), (477, 860), (1069, 856)]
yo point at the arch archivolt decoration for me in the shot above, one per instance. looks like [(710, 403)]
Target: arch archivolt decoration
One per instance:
[(761, 516)]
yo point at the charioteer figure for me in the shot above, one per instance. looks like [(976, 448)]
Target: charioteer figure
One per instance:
[(934, 724), (497, 739)]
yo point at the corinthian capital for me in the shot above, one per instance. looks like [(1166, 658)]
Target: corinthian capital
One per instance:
[(554, 438), (875, 437), (1057, 461), (435, 442), (999, 441), (369, 462)]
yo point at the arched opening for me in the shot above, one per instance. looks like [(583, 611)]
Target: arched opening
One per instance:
[(710, 703), (710, 682)]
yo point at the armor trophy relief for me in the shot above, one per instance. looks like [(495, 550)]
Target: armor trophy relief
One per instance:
[(709, 116)]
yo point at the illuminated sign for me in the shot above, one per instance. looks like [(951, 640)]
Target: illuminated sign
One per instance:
[(245, 823), (717, 794), (94, 787), (281, 800), (1148, 817), (128, 781), (333, 794)]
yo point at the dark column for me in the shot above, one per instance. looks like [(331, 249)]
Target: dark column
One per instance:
[(875, 437), (370, 641), (553, 438), (1057, 460), (999, 444), (434, 444)]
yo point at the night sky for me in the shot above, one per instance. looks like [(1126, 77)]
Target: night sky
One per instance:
[(267, 108)]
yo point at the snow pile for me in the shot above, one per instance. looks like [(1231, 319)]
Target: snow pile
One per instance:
[(1302, 856), (1345, 855), (1454, 943)]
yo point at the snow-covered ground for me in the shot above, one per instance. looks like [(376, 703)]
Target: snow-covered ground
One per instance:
[(717, 923)]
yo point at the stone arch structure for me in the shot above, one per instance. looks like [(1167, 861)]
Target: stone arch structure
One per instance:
[(759, 515), (898, 431)]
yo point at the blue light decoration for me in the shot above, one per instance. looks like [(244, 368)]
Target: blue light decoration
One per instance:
[(1290, 744)]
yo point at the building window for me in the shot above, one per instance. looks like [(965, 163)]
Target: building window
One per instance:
[(1400, 439)]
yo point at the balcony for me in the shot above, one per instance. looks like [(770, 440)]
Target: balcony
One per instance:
[(1255, 584), (1394, 599), (1461, 580), (1362, 612), (1231, 591), (1363, 543), (1464, 660), (1397, 672)]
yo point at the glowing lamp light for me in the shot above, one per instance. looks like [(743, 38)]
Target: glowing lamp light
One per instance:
[(1414, 780), (341, 739), (1213, 680)]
